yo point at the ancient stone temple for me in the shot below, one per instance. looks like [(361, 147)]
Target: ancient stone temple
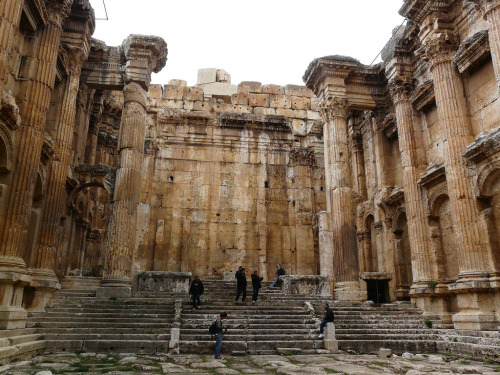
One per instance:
[(383, 178)]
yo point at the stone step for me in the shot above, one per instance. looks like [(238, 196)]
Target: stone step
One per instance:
[(395, 330), (108, 346), (397, 346), (16, 332), (113, 331), (243, 331), (108, 336), (15, 340), (21, 351), (251, 326), (126, 324), (386, 336), (250, 347), (252, 337), (83, 319), (101, 317)]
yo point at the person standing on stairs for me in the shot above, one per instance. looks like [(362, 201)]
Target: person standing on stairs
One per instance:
[(241, 284), (256, 285), (279, 272), (196, 290), (221, 329), (329, 318)]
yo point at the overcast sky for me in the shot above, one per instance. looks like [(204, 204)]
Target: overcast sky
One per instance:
[(270, 41)]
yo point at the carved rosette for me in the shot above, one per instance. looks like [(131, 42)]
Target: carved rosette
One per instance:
[(440, 49), (401, 89), (334, 107)]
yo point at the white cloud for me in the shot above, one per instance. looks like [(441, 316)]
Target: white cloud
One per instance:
[(270, 41)]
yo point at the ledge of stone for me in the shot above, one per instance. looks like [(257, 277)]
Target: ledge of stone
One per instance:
[(162, 281), (306, 284)]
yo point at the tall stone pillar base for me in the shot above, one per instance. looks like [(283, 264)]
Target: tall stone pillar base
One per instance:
[(45, 283), (349, 291), (114, 287), (477, 303), (13, 279), (330, 342)]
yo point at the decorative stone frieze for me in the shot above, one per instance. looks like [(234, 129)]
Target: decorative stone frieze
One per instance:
[(472, 51)]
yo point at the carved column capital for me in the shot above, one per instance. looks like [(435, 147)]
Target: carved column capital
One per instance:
[(76, 58), (334, 107), (58, 10), (440, 48), (400, 89)]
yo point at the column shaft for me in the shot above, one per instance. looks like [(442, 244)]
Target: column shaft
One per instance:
[(127, 187), (54, 203), (33, 110), (422, 263), (339, 190), (493, 17)]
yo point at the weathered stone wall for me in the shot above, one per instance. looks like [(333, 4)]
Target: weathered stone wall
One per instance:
[(233, 184)]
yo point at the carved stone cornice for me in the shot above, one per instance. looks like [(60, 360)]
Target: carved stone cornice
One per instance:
[(400, 89), (487, 6), (423, 95), (434, 175), (483, 147), (472, 51), (334, 107), (417, 10), (389, 126), (440, 48), (58, 10), (35, 12)]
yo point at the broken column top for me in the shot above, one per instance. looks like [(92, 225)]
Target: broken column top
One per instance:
[(156, 46)]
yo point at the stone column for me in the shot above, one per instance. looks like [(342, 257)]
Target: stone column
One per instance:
[(127, 193), (44, 277), (341, 200), (325, 244), (422, 261), (144, 55), (33, 109), (454, 124), (10, 12)]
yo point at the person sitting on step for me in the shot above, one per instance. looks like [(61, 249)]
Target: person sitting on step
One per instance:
[(279, 272), (329, 318)]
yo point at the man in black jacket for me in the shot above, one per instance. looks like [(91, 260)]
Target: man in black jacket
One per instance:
[(256, 285), (329, 318), (241, 284), (196, 290)]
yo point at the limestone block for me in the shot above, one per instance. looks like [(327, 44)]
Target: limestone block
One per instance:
[(280, 101), (313, 115), (207, 75), (173, 103), (264, 111), (330, 342), (273, 89), (384, 353), (306, 284), (201, 105), (291, 113), (228, 276), (240, 98), (298, 91), (155, 91), (175, 337), (299, 127), (259, 100), (192, 93), (251, 86), (172, 92), (177, 82), (162, 281), (299, 102)]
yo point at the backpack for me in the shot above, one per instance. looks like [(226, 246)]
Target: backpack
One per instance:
[(213, 328)]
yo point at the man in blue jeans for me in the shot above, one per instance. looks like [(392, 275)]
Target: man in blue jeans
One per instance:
[(221, 329), (329, 318)]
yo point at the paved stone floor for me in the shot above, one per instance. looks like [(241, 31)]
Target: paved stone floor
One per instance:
[(340, 363)]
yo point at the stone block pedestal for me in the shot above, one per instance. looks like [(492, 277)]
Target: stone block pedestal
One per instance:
[(349, 291), (330, 342)]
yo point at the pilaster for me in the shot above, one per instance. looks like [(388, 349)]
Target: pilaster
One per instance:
[(10, 12)]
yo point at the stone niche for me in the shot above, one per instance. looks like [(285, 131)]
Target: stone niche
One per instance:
[(159, 281), (306, 284)]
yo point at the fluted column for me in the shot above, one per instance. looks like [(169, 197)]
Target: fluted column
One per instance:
[(10, 12), (33, 109), (44, 277), (340, 198), (423, 263), (127, 189), (454, 125)]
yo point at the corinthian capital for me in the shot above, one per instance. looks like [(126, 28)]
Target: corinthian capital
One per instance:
[(400, 89), (58, 10), (334, 107), (440, 48)]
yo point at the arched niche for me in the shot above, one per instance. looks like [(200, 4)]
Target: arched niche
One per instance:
[(5, 150), (489, 189), (371, 245)]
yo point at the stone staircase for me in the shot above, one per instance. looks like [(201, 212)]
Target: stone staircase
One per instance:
[(366, 328), (72, 323), (274, 324), (19, 343)]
